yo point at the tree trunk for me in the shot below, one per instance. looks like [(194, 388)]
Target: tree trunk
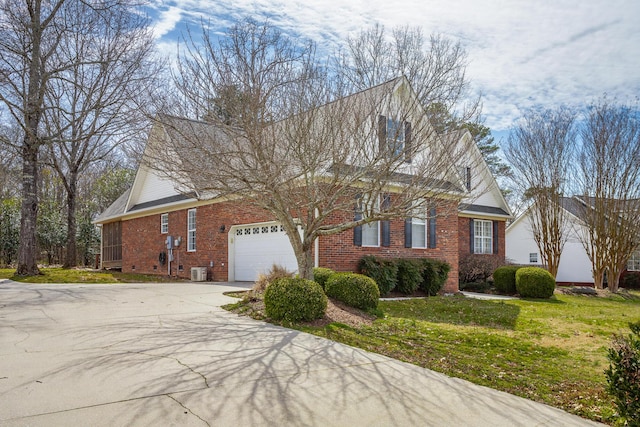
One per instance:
[(27, 250), (71, 259), (305, 262), (598, 279)]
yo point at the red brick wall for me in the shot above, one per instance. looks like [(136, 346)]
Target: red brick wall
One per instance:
[(464, 244), (142, 242), (339, 253)]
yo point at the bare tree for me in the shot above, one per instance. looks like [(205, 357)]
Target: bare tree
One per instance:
[(107, 68), (36, 44), (435, 67), (541, 151), (29, 34), (279, 133), (610, 180)]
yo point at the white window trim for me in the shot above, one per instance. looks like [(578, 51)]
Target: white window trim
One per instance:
[(191, 240), (480, 250), (395, 140), (164, 223), (419, 217), (370, 225), (634, 261)]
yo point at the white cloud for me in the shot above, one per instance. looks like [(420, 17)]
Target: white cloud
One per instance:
[(522, 54)]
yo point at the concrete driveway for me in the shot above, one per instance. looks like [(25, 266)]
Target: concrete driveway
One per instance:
[(168, 355)]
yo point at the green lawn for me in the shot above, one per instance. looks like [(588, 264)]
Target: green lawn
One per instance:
[(551, 351), (73, 275)]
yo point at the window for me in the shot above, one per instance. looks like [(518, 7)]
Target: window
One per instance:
[(465, 173), (371, 231), (164, 223), (634, 262), (533, 257), (191, 230), (418, 228), (395, 136), (482, 236)]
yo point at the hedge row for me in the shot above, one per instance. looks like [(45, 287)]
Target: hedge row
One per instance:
[(405, 275)]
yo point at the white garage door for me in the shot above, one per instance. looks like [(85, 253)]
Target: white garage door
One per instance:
[(258, 247)]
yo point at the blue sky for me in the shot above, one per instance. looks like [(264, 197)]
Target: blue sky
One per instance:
[(522, 54)]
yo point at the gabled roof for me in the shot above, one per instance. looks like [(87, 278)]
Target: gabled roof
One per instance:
[(140, 198)]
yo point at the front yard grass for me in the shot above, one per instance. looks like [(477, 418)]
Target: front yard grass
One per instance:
[(551, 351), (79, 275)]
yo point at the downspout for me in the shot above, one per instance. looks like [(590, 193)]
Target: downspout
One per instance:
[(316, 248)]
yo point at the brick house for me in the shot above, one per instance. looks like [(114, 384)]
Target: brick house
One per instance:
[(156, 228)]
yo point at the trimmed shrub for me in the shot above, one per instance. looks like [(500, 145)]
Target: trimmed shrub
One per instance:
[(434, 275), (623, 375), (534, 282), (504, 279), (383, 271), (321, 274), (355, 290), (409, 275), (294, 299), (275, 272)]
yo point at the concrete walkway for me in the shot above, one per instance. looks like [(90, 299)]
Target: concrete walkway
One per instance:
[(168, 355)]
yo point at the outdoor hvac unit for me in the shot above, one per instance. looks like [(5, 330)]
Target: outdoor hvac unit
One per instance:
[(198, 274)]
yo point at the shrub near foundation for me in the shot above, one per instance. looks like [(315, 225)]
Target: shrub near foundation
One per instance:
[(504, 279), (294, 299), (321, 274), (434, 275), (534, 282), (409, 275), (355, 290), (383, 271)]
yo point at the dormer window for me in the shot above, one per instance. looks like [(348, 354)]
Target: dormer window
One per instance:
[(394, 137)]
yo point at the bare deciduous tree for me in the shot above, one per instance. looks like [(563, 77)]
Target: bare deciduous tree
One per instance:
[(42, 51), (29, 33), (435, 67), (280, 134), (610, 178), (107, 68), (541, 151)]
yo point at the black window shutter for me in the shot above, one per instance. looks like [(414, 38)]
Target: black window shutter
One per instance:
[(432, 228), (385, 225), (471, 236), (408, 147), (495, 237), (382, 134), (408, 241), (357, 216)]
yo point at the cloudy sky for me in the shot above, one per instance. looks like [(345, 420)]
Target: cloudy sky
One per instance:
[(522, 54)]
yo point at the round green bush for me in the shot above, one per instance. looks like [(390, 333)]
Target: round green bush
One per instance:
[(534, 282), (409, 275), (383, 271), (321, 274), (504, 279), (434, 275), (355, 290), (294, 299)]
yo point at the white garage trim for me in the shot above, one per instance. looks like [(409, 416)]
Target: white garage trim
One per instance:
[(255, 247)]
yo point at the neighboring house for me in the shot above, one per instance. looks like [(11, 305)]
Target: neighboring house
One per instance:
[(575, 267), (232, 240)]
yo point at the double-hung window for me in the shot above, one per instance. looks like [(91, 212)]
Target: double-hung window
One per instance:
[(482, 236), (418, 228), (164, 223), (191, 230), (371, 231), (634, 262), (395, 136)]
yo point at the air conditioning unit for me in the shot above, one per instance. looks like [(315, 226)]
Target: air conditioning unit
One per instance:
[(198, 274)]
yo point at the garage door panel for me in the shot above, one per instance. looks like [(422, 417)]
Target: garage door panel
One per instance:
[(257, 248)]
